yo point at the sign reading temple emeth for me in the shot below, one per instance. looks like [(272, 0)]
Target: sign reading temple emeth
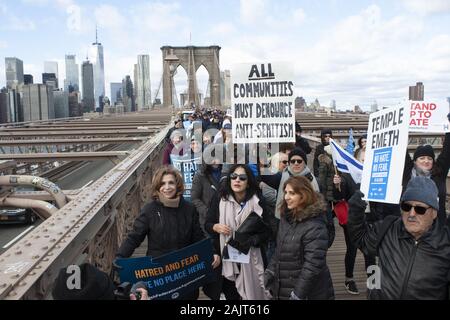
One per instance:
[(387, 142), (262, 100)]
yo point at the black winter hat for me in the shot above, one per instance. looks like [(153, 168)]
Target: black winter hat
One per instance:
[(426, 150), (298, 152), (326, 131), (94, 285)]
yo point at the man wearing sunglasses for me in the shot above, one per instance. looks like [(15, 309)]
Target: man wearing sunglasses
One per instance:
[(413, 250)]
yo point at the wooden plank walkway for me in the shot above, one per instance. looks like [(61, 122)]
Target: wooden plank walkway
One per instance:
[(335, 260)]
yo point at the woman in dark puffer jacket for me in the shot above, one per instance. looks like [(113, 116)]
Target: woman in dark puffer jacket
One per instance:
[(298, 269)]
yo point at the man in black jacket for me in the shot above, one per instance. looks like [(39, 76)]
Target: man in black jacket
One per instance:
[(413, 250), (325, 136), (301, 142)]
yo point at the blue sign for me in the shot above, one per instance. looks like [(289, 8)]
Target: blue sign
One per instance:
[(187, 166), (171, 275), (380, 173)]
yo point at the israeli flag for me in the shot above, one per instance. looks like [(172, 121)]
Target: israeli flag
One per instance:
[(345, 162)]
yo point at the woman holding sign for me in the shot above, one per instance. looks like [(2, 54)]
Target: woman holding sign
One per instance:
[(238, 222), (168, 221), (424, 164), (298, 269)]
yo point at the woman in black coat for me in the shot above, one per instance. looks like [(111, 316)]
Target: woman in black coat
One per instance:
[(238, 201), (298, 269), (169, 222)]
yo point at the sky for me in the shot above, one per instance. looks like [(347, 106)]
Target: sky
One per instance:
[(352, 51)]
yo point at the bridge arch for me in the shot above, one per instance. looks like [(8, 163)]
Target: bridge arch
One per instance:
[(191, 58)]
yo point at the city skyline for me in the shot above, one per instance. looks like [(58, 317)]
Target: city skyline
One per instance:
[(353, 52)]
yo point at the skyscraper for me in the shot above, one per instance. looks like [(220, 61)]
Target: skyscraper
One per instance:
[(50, 79), (52, 67), (87, 78), (61, 100), (38, 102), (116, 92), (72, 74), (14, 71), (27, 79), (127, 95), (99, 70), (225, 88), (416, 92), (142, 83), (10, 106)]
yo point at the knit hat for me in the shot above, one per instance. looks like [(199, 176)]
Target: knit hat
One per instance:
[(94, 285), (422, 189), (426, 150), (298, 152), (326, 131)]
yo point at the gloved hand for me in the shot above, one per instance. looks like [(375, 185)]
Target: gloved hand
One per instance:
[(115, 265), (293, 296), (269, 279), (356, 201), (448, 117), (243, 247)]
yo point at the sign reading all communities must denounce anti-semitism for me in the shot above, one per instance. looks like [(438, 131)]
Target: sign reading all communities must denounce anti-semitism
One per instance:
[(174, 274), (262, 103), (387, 142)]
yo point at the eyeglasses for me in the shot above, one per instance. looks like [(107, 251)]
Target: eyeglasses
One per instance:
[(242, 177), (285, 161), (299, 161), (418, 209)]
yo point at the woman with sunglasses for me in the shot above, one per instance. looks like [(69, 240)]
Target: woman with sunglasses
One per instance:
[(298, 269), (238, 201)]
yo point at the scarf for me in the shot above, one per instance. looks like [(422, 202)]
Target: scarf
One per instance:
[(287, 173), (417, 172), (249, 279), (170, 203)]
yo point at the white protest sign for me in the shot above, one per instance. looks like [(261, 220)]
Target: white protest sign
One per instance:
[(236, 256), (427, 116), (262, 103), (387, 141)]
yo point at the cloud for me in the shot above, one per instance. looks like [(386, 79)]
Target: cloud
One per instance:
[(158, 16), (252, 11), (426, 7), (11, 22), (222, 29), (299, 15), (108, 16)]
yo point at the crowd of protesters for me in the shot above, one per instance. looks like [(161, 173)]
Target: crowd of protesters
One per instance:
[(294, 208)]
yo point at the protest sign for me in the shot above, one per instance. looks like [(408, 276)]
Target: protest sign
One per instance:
[(173, 274), (429, 116), (262, 103), (187, 166), (387, 141)]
